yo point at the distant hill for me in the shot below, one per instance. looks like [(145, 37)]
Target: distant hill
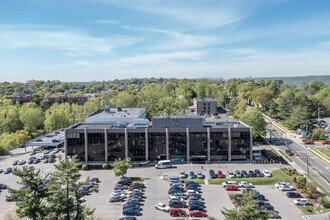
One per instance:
[(298, 80)]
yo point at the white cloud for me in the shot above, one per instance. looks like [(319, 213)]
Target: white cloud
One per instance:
[(69, 40), (102, 21), (201, 14)]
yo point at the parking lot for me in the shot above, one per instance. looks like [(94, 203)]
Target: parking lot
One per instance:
[(156, 189)]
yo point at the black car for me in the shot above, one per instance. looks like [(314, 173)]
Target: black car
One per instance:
[(196, 203), (259, 197), (266, 207), (251, 173), (131, 205), (177, 204), (245, 174), (3, 186), (212, 174), (128, 218), (258, 173), (36, 161), (173, 191), (196, 200), (293, 195), (30, 161), (196, 207)]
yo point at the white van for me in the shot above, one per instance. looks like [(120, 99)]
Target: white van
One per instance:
[(163, 164)]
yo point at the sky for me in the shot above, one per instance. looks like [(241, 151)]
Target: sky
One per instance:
[(86, 40)]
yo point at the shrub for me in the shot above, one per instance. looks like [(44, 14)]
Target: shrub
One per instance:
[(316, 195), (324, 201), (105, 166), (309, 189), (85, 167), (294, 179), (301, 182)]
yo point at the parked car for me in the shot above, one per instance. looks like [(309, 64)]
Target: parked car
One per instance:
[(177, 204), (212, 174), (116, 198), (258, 173), (277, 185), (8, 170), (224, 184), (220, 174), (309, 142), (195, 207), (192, 175), (128, 218), (231, 188), (3, 186), (301, 201), (36, 161), (130, 211), (274, 214), (293, 195), (38, 140), (46, 152), (32, 153), (182, 174), (238, 174), (231, 174), (245, 184), (1, 170), (267, 207), (55, 140), (197, 213), (200, 175), (21, 162), (162, 207), (245, 174), (286, 188), (51, 160), (177, 212), (288, 152), (267, 173), (251, 173), (15, 162), (326, 142)]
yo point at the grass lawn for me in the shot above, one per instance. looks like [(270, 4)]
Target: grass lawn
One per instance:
[(286, 156), (137, 180), (277, 176), (318, 185), (312, 209), (324, 150), (200, 181)]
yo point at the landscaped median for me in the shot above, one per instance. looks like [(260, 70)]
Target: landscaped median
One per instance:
[(200, 181), (286, 156), (277, 176), (316, 154), (312, 209)]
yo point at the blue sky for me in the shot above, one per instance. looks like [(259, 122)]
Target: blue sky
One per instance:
[(84, 40)]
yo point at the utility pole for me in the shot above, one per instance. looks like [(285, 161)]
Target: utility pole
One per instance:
[(306, 129), (286, 144), (270, 131)]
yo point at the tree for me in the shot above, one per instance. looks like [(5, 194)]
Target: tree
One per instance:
[(7, 141), (298, 117), (301, 182), (120, 166), (65, 198), (22, 137), (262, 96), (32, 197), (32, 118), (319, 134), (254, 118), (248, 208), (240, 108)]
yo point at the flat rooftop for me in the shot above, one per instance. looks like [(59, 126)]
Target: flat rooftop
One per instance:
[(225, 124), (201, 99), (116, 114)]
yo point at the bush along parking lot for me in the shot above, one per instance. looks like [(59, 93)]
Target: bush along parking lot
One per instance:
[(277, 176), (317, 203)]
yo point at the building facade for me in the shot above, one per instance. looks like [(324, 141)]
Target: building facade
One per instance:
[(204, 106), (213, 141)]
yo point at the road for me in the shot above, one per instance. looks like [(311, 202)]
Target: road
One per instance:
[(317, 169)]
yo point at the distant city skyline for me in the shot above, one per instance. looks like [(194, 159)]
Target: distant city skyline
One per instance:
[(87, 40)]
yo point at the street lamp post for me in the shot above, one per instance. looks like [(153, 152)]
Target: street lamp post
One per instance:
[(307, 161)]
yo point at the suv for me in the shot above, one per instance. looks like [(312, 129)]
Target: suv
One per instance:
[(231, 174), (178, 212), (258, 173), (238, 174), (267, 173), (301, 201), (293, 195), (212, 174)]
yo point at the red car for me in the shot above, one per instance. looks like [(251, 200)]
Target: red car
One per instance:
[(51, 160), (178, 212), (197, 213), (220, 175), (308, 142), (231, 188), (326, 142), (288, 152)]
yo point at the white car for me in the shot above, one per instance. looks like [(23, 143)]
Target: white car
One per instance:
[(231, 174), (175, 197), (228, 183), (277, 185), (286, 188), (267, 173), (21, 162), (245, 184), (200, 175), (46, 152), (122, 195), (182, 174), (301, 201), (162, 207)]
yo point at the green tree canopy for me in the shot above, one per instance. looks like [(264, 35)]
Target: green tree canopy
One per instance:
[(120, 166), (254, 118)]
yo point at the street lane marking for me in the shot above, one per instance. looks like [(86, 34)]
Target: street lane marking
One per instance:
[(313, 171)]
